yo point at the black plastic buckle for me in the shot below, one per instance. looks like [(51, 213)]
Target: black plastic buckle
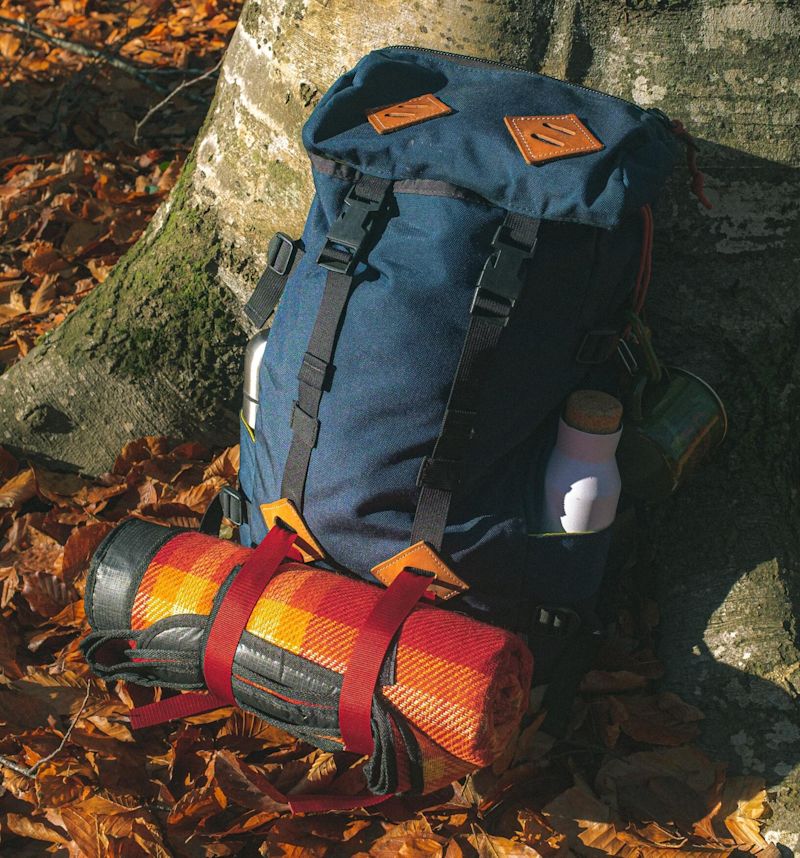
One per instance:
[(554, 621), (233, 505), (280, 253), (598, 346), (348, 231), (501, 280)]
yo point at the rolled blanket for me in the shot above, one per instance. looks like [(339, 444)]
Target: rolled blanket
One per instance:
[(450, 694)]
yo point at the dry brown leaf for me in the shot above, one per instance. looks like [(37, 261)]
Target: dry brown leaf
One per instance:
[(139, 450), (47, 594), (408, 839), (79, 548), (10, 584), (743, 805), (8, 464), (18, 490), (36, 829), (9, 641), (226, 465), (9, 353), (43, 298), (611, 682), (9, 45)]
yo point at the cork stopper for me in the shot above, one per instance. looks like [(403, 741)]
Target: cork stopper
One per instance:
[(593, 411)]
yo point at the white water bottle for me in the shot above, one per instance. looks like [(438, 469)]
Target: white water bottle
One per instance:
[(582, 483)]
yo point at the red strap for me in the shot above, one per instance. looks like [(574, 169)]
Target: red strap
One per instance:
[(236, 607), (173, 708), (224, 635), (369, 651), (358, 685)]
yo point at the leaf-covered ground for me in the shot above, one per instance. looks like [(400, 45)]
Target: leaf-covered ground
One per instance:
[(627, 782), (78, 180), (83, 166)]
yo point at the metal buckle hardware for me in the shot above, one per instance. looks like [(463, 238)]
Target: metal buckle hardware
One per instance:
[(598, 346), (232, 505)]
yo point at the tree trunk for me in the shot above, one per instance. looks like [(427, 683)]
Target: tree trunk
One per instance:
[(157, 347)]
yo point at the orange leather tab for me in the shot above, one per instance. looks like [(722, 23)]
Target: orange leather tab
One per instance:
[(285, 511), (405, 113), (545, 138), (421, 556)]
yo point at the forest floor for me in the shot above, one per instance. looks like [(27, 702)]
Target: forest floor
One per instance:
[(89, 147)]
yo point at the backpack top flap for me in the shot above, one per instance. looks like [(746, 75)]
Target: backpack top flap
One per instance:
[(471, 147)]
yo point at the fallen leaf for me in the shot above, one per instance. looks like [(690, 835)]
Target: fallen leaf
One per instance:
[(18, 490), (79, 548)]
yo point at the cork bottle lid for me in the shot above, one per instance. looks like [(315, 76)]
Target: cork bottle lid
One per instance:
[(593, 411)]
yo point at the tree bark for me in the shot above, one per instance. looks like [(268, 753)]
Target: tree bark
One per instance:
[(157, 347)]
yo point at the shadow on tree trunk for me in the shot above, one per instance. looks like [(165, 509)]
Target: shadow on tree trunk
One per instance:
[(725, 548)]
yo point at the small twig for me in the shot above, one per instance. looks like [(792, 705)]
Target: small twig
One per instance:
[(187, 83), (30, 771), (84, 51)]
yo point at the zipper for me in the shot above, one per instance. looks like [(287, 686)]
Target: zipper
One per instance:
[(654, 111)]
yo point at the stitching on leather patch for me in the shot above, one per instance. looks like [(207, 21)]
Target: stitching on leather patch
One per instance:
[(547, 138), (393, 117)]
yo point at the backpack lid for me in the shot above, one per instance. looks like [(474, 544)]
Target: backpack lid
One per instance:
[(471, 147)]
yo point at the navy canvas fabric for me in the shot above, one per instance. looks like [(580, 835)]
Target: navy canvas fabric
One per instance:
[(401, 337)]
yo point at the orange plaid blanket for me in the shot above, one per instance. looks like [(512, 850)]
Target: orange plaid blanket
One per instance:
[(451, 692)]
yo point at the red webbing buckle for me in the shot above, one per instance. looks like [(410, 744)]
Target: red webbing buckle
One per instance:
[(372, 642), (224, 635)]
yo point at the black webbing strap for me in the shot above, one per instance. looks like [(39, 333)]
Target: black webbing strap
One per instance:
[(498, 288), (282, 258), (340, 254)]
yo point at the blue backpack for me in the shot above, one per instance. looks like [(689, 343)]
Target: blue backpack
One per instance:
[(469, 259)]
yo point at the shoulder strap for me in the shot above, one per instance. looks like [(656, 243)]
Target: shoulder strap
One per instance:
[(283, 256), (498, 288), (343, 249)]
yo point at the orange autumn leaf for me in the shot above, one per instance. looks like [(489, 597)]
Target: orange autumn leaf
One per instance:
[(18, 490)]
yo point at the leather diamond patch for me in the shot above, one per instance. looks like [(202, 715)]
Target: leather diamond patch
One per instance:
[(545, 138), (405, 113)]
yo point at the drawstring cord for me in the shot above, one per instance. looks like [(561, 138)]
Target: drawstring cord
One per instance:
[(645, 260), (698, 179)]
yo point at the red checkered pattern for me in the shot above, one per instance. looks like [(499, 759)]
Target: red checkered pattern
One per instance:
[(462, 685)]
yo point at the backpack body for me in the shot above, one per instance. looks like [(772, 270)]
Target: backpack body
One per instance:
[(454, 179)]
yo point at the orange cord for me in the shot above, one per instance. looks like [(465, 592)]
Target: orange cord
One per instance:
[(698, 179), (645, 260)]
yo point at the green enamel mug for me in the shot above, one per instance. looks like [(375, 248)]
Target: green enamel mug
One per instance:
[(671, 424)]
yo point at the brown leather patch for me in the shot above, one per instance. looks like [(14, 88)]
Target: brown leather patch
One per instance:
[(545, 138), (405, 113), (421, 556), (286, 511)]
